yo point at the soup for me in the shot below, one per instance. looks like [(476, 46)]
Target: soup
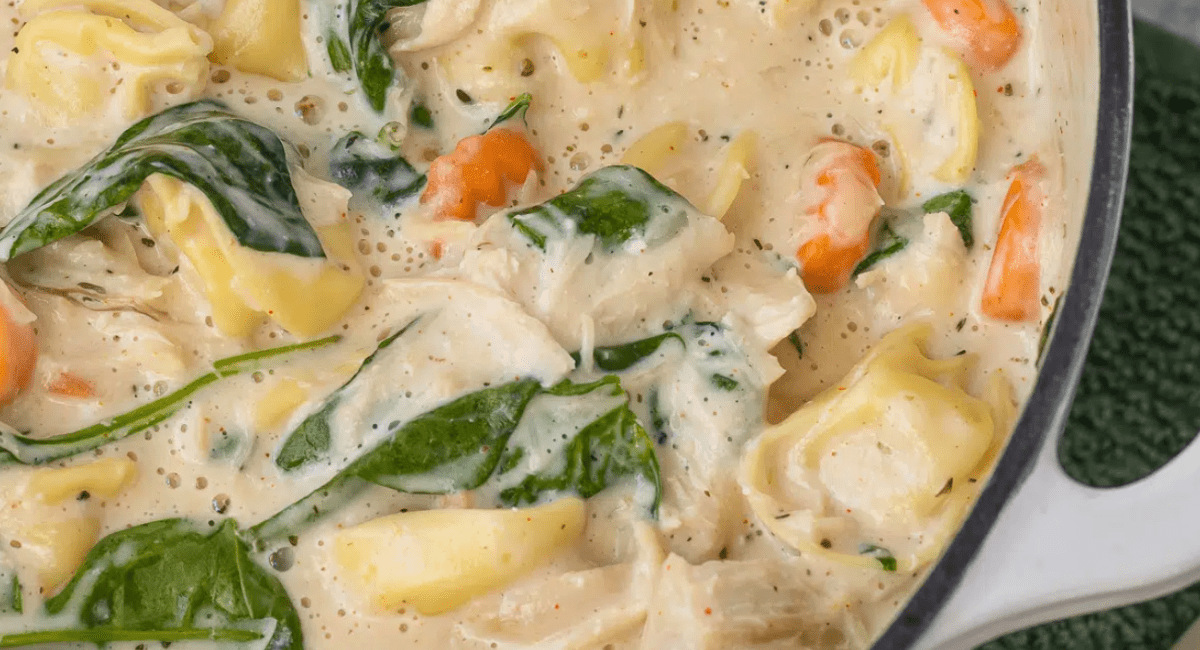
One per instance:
[(510, 323)]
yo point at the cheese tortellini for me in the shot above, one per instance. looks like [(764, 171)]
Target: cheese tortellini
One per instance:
[(303, 295), (72, 55), (662, 152), (884, 462), (261, 37), (436, 560), (944, 141)]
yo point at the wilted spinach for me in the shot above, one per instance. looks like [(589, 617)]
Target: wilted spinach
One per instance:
[(886, 560), (365, 167), (364, 23), (958, 206), (167, 581), (237, 164), (311, 440), (454, 447), (615, 358), (20, 449), (889, 244), (610, 448), (516, 108), (614, 203)]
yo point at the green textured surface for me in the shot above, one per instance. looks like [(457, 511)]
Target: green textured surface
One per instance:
[(1139, 399)]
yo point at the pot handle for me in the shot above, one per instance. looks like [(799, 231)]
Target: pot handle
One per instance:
[(1060, 549)]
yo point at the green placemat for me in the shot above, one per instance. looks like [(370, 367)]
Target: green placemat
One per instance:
[(1139, 400)]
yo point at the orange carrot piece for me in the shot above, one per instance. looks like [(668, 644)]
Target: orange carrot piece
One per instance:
[(1011, 292), (827, 261), (986, 29), (479, 170), (827, 267), (18, 355), (69, 385)]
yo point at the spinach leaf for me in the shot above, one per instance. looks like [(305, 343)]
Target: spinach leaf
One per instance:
[(20, 449), (616, 358), (339, 54), (366, 167), (516, 108), (1044, 337), (454, 447), (421, 116), (311, 440), (886, 560), (794, 339), (372, 63), (167, 581), (723, 382), (958, 206), (238, 165), (612, 447), (615, 204), (10, 595), (889, 244)]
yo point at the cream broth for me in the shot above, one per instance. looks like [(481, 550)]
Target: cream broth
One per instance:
[(736, 382)]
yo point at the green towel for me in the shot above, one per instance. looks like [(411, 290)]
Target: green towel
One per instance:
[(1139, 399)]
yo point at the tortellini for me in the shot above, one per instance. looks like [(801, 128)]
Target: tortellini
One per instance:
[(661, 153), (893, 53), (261, 37), (303, 295), (103, 478), (49, 520), (436, 560), (944, 141), (595, 40), (128, 48), (882, 464)]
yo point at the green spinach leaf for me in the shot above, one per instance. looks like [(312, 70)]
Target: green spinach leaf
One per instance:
[(615, 204), (11, 598), (724, 383), (454, 447), (367, 21), (421, 116), (21, 449), (794, 339), (886, 560), (958, 206), (516, 108), (167, 581), (366, 167), (238, 165), (889, 244), (616, 358), (311, 440), (339, 54), (1044, 337), (612, 447)]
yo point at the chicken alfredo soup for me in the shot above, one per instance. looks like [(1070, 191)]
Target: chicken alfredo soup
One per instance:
[(623, 324)]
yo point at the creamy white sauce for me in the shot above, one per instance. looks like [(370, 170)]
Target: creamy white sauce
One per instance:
[(113, 307)]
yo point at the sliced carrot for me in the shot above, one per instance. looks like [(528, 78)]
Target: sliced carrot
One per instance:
[(479, 170), (69, 385), (986, 29), (847, 177), (18, 354), (1013, 283)]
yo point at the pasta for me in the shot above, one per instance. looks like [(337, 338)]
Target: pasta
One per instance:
[(241, 284), (894, 443), (261, 37), (140, 44)]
